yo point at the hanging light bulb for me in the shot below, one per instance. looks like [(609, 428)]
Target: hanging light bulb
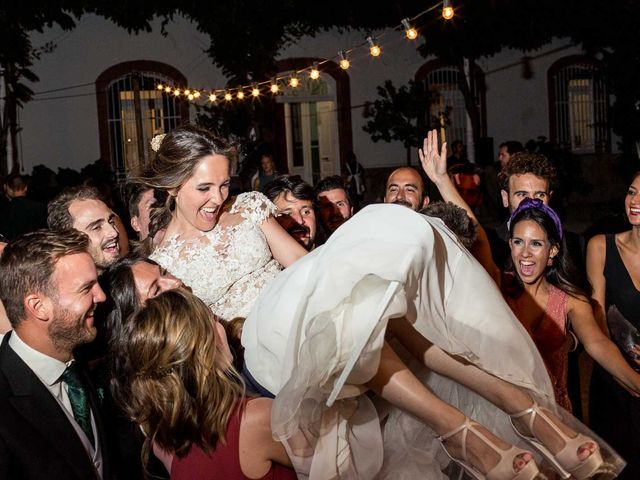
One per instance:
[(315, 73), (409, 31), (212, 97), (167, 89), (255, 91), (447, 10), (240, 95), (228, 97), (274, 86), (190, 96), (187, 92), (294, 82), (344, 61), (374, 48), (196, 94), (176, 92), (160, 86)]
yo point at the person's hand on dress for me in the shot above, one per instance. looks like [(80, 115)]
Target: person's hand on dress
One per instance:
[(434, 162)]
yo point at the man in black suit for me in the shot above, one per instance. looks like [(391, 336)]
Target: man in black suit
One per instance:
[(51, 426), (21, 214)]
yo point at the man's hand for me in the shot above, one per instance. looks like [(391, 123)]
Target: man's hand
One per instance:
[(433, 162)]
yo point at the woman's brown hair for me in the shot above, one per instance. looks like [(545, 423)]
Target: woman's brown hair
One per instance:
[(175, 380)]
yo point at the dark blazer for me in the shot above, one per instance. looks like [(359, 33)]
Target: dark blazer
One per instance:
[(36, 438), (22, 215)]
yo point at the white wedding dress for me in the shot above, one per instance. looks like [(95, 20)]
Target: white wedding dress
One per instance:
[(226, 267), (314, 337)]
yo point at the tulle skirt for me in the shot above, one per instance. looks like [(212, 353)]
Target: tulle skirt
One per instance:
[(315, 335)]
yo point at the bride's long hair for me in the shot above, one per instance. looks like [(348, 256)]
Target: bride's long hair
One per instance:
[(174, 378), (176, 157)]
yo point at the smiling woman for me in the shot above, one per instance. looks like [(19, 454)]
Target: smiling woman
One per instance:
[(539, 285), (548, 301), (225, 249)]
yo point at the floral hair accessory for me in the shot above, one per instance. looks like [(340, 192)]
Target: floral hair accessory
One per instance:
[(536, 203), (157, 141)]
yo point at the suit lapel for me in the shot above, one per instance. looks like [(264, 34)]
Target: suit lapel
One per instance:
[(35, 403)]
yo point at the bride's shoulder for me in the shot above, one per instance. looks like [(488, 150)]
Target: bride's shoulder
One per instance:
[(253, 206)]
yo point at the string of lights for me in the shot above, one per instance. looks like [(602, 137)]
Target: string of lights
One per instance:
[(293, 78)]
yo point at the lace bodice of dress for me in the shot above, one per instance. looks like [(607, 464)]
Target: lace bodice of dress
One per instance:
[(228, 266)]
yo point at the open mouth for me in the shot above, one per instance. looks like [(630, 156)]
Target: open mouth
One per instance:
[(298, 231), (634, 211), (112, 247), (527, 268), (209, 213)]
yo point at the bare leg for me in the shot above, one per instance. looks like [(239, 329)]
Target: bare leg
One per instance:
[(397, 384), (504, 395)]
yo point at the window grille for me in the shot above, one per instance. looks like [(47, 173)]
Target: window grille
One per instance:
[(579, 108), (446, 103), (129, 136)]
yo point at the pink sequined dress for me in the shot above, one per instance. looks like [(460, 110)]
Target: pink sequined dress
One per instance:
[(551, 336)]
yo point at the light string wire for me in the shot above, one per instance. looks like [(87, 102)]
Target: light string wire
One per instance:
[(212, 95)]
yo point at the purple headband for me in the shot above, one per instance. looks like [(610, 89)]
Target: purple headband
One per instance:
[(536, 203)]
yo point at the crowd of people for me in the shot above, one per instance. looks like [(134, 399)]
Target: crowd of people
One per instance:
[(286, 333)]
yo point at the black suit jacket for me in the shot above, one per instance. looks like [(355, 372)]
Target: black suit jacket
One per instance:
[(37, 440), (22, 215)]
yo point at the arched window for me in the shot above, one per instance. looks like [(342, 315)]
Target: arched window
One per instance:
[(131, 110), (578, 105), (447, 108)]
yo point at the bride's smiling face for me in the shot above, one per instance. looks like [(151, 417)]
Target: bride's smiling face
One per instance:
[(200, 198)]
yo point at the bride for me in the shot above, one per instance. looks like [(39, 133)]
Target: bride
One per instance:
[(327, 329), (226, 251)]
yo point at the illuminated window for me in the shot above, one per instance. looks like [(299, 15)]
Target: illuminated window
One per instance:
[(579, 104)]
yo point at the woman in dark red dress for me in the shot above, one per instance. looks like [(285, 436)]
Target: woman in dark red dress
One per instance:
[(176, 380)]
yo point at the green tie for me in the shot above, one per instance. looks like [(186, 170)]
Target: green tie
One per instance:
[(78, 399)]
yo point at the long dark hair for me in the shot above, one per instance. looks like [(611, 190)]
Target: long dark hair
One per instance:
[(562, 273)]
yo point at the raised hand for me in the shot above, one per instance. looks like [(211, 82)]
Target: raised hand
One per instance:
[(434, 162)]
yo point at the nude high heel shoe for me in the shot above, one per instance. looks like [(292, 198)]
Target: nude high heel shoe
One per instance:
[(566, 461), (503, 470)]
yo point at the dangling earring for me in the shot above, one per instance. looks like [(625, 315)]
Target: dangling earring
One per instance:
[(550, 262)]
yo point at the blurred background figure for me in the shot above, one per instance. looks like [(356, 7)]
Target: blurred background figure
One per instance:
[(458, 154), (353, 173), (20, 214), (507, 150), (265, 174)]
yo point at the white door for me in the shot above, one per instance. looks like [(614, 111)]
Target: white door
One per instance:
[(311, 139)]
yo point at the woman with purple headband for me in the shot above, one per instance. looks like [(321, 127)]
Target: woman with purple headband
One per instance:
[(540, 285)]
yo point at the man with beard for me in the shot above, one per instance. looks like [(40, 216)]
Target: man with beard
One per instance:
[(51, 426), (83, 208), (293, 197), (333, 202), (406, 187)]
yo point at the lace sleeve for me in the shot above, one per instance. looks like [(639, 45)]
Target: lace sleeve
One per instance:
[(253, 206)]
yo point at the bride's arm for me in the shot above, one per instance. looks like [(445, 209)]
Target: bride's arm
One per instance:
[(283, 246)]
